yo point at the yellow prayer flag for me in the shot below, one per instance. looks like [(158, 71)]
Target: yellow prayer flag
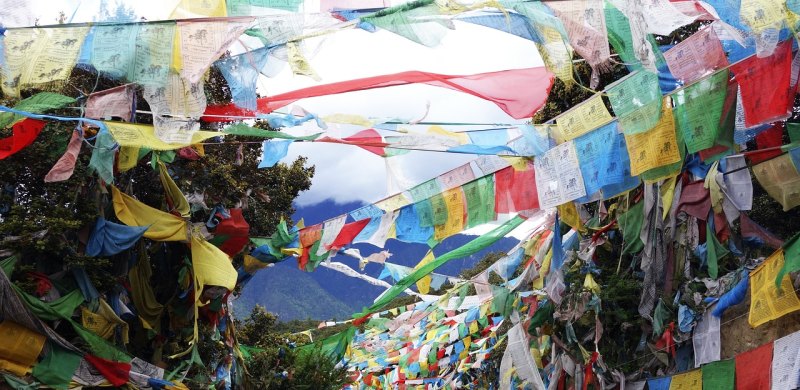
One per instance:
[(590, 284), (129, 134), (766, 302), (656, 147), (692, 380), (104, 322), (589, 115), (348, 119), (211, 265), (128, 158), (40, 56), (163, 226), (298, 62), (780, 179), (439, 130), (174, 194), (251, 264), (424, 284), (193, 8), (667, 195), (19, 347), (568, 213), (556, 54), (454, 201)]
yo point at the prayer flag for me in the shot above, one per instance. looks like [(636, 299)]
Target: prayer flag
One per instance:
[(769, 301)]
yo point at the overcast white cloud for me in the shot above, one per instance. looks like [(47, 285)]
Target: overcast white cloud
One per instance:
[(347, 173)]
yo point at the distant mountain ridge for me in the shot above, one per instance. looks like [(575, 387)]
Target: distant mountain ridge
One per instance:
[(325, 294)]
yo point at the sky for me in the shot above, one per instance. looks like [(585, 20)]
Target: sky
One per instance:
[(346, 173)]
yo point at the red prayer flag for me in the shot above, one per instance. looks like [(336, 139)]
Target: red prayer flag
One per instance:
[(765, 86), (751, 229), (518, 92), (515, 190), (237, 231), (770, 138), (753, 368), (369, 140), (23, 134), (116, 372), (695, 200), (348, 233)]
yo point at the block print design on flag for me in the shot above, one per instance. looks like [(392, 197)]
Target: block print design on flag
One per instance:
[(767, 302), (587, 116), (39, 56), (637, 102), (654, 148), (696, 56), (454, 203), (558, 176), (764, 86), (781, 180), (698, 111)]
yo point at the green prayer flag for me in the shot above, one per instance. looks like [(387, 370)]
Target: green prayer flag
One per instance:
[(791, 256), (620, 38), (249, 131), (470, 248), (103, 154), (36, 104), (439, 214), (19, 384), (479, 195), (661, 316), (698, 111), (334, 346), (502, 300), (794, 131), (631, 225), (719, 375), (61, 308), (242, 7), (8, 264), (57, 367), (404, 21), (636, 101), (543, 315), (714, 251)]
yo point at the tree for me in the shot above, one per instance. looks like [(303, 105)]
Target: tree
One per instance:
[(47, 224)]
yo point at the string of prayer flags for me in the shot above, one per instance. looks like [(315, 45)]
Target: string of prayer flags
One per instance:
[(501, 88), (764, 86), (589, 115), (558, 176), (781, 180), (161, 226), (22, 134), (637, 102), (768, 300), (696, 56)]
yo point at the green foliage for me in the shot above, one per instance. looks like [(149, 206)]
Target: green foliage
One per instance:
[(279, 366)]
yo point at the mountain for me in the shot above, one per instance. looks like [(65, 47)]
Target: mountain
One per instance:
[(325, 294)]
